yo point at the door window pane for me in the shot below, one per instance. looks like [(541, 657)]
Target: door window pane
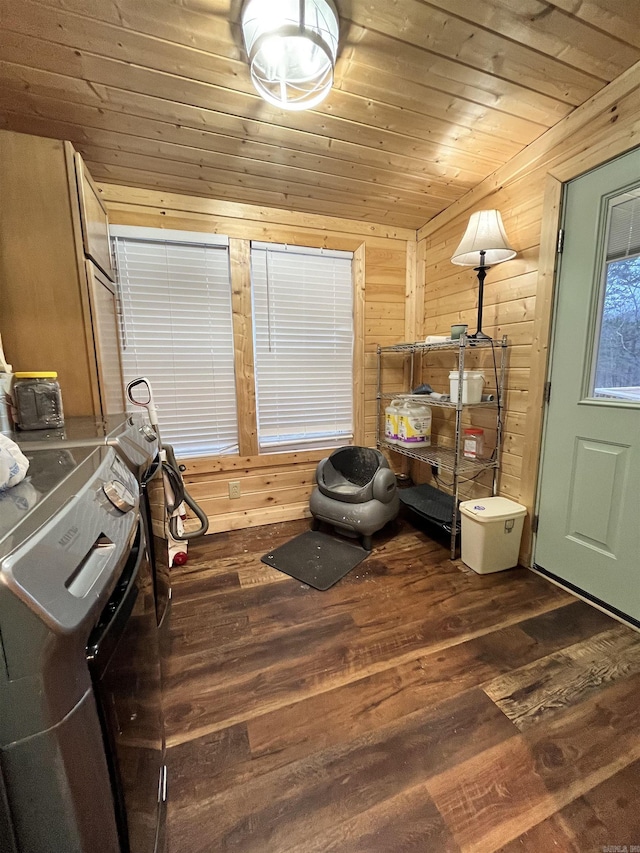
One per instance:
[(617, 363)]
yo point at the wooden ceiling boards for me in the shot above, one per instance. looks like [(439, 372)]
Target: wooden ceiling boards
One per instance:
[(429, 97)]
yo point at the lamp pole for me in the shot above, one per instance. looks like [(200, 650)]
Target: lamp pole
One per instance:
[(482, 271)]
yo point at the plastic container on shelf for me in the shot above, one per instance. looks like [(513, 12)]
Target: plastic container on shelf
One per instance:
[(472, 442), (472, 384), (414, 424), (491, 533), (391, 422), (6, 406), (37, 400)]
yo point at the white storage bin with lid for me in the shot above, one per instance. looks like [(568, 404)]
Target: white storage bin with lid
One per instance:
[(472, 383), (491, 533)]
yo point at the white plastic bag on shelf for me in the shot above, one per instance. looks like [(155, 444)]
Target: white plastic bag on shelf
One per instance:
[(16, 502), (13, 464)]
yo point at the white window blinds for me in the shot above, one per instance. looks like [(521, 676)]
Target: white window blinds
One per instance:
[(303, 346), (177, 330), (624, 227)]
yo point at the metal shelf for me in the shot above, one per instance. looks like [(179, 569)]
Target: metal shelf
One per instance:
[(462, 343), (443, 457), (449, 459), (442, 404)]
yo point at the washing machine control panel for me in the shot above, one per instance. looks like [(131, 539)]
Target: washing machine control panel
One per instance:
[(148, 432), (119, 495)]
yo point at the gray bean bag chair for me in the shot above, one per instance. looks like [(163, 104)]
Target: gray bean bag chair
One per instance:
[(356, 492)]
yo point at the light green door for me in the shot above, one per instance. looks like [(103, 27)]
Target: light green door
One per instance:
[(589, 501)]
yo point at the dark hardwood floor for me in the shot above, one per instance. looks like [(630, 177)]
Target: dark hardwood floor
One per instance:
[(415, 706)]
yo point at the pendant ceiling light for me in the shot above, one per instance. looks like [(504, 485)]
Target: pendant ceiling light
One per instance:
[(292, 47)]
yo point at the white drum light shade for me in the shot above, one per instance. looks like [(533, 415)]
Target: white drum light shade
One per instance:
[(485, 233), (292, 47)]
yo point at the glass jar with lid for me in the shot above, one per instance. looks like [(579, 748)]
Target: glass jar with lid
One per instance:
[(472, 442), (37, 400)]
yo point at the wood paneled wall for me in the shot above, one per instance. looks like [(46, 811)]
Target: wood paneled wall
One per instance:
[(276, 487), (519, 293)]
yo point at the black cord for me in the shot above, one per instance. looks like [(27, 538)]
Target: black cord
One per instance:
[(466, 479), (498, 402)]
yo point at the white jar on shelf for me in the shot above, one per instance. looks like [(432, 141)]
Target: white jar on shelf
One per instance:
[(473, 442)]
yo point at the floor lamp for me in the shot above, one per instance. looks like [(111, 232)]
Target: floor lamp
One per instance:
[(484, 244)]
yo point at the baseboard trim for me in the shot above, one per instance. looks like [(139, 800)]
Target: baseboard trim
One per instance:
[(257, 517)]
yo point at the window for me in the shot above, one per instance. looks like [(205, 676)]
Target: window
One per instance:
[(303, 346), (617, 361), (175, 294)]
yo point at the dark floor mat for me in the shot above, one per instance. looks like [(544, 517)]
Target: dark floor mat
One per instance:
[(429, 504), (315, 558)]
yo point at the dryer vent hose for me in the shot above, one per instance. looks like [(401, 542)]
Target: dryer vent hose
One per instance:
[(171, 471)]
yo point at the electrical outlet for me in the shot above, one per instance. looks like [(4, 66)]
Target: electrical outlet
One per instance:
[(234, 489)]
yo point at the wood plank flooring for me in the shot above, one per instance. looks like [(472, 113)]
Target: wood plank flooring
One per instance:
[(415, 706)]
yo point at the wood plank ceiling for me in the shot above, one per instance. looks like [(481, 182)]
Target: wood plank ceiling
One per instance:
[(429, 97)]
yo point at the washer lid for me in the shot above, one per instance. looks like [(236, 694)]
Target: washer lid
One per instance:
[(60, 559), (492, 509), (135, 441), (25, 507)]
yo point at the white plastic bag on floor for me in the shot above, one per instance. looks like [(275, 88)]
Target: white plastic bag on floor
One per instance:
[(13, 464)]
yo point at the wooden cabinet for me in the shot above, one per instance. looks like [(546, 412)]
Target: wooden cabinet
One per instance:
[(93, 219), (56, 313), (106, 334)]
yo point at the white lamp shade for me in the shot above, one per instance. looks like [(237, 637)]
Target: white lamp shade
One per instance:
[(485, 232), (292, 47)]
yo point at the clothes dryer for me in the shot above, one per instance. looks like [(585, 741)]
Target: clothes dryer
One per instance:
[(78, 644)]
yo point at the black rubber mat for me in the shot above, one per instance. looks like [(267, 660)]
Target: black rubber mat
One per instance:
[(430, 503), (317, 559)]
